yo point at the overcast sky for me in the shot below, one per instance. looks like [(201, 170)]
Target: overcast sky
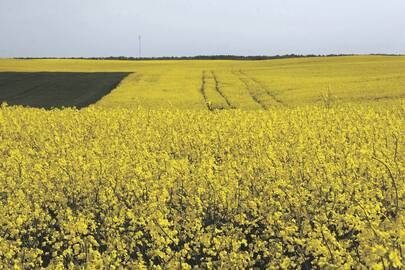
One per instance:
[(62, 28)]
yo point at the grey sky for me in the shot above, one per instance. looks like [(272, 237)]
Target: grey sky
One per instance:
[(190, 27)]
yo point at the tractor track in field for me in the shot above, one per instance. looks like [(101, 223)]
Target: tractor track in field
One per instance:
[(250, 92), (202, 91), (219, 90), (248, 80), (265, 88)]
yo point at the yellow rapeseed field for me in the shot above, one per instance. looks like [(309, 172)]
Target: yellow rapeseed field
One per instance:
[(282, 164), (242, 84)]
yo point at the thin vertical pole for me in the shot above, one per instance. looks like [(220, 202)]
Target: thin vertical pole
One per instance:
[(140, 46)]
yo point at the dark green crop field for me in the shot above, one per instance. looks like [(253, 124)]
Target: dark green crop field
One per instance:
[(56, 89)]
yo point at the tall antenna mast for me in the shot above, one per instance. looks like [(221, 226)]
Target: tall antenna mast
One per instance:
[(140, 46)]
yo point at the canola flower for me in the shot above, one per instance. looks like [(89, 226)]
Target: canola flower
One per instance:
[(311, 187)]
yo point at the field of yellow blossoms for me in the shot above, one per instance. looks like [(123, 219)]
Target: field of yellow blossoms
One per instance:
[(308, 187)]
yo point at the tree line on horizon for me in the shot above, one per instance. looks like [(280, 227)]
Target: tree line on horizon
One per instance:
[(209, 57), (205, 57)]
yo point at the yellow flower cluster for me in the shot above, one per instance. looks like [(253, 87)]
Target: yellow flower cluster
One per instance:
[(299, 188)]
